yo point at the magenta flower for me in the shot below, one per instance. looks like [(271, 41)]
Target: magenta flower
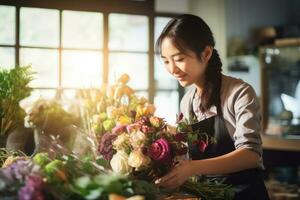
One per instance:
[(180, 137), (30, 193), (34, 181), (202, 145), (32, 189), (179, 117), (160, 151)]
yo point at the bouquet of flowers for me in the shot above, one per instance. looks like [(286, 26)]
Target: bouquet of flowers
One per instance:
[(119, 106), (137, 143), (145, 147)]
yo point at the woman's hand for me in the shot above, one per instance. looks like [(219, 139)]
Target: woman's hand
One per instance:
[(179, 174)]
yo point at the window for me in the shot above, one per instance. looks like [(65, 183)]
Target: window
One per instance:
[(106, 41), (7, 36), (167, 95), (128, 49)]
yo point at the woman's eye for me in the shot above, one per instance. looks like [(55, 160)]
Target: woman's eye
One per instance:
[(180, 60), (166, 62)]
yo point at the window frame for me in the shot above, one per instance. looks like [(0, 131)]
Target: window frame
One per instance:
[(106, 7)]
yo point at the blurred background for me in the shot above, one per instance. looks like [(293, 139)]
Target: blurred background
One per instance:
[(77, 44)]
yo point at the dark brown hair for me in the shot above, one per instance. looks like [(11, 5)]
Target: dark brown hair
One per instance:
[(192, 33)]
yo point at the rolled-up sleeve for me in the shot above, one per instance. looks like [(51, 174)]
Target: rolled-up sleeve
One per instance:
[(248, 119)]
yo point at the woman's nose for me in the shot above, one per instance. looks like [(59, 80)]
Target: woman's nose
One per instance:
[(173, 68)]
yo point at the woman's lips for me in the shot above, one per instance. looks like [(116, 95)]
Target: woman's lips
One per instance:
[(180, 77)]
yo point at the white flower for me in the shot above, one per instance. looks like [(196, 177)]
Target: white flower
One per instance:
[(119, 163), (137, 159), (121, 142), (137, 138)]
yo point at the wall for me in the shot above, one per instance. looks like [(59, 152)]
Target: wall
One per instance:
[(213, 12), (172, 6), (244, 15)]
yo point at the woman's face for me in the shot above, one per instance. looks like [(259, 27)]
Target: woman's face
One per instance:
[(186, 67)]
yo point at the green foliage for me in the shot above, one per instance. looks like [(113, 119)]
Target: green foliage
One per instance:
[(209, 190), (5, 153), (50, 116), (41, 159), (100, 186), (13, 88)]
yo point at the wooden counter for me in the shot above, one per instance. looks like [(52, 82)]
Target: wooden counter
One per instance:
[(281, 143)]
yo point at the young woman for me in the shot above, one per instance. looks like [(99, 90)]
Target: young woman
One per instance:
[(225, 107)]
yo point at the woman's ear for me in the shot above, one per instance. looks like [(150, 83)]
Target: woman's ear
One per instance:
[(207, 52)]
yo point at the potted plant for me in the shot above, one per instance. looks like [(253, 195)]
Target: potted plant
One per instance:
[(13, 88), (51, 122)]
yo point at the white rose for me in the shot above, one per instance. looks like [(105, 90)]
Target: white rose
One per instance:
[(119, 163), (137, 159), (120, 140), (137, 139)]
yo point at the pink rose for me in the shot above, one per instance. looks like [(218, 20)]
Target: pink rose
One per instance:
[(119, 129), (202, 145), (132, 127), (160, 151)]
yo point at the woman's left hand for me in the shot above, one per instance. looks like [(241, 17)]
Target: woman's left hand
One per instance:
[(179, 174)]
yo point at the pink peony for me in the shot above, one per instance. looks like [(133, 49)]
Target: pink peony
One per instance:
[(160, 151)]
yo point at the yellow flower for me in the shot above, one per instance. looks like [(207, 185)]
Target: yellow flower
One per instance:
[(142, 100), (138, 160), (145, 110), (150, 109), (155, 121), (124, 120), (128, 91), (124, 79)]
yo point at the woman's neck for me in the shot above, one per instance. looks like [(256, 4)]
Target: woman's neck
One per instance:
[(199, 85)]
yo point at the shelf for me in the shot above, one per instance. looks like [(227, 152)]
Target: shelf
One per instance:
[(281, 143)]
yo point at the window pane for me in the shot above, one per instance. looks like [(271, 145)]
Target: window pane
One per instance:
[(87, 32), (7, 57), (159, 24), (135, 65), (7, 25), (35, 95), (167, 104), (163, 79), (81, 69), (44, 63), (128, 32), (39, 27)]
